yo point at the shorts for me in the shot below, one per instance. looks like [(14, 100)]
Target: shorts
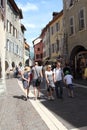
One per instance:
[(25, 85), (70, 86), (35, 83), (50, 88)]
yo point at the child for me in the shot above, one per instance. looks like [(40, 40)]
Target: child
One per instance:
[(68, 80)]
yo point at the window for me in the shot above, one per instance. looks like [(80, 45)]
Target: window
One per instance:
[(81, 19), (7, 45), (57, 45), (13, 31), (1, 3), (38, 49), (53, 49), (8, 26), (51, 30), (57, 26), (37, 56), (71, 25), (41, 56), (71, 2)]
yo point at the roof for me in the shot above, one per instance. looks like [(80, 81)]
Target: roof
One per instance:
[(15, 7)]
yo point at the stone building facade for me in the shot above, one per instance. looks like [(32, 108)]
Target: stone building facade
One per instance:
[(53, 39), (38, 50), (14, 35), (2, 38), (56, 35), (75, 20)]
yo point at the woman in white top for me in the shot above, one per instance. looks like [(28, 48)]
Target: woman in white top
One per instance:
[(50, 82)]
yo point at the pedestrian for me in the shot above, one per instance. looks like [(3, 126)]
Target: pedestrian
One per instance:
[(16, 72), (50, 82), (68, 81), (37, 74), (66, 69), (25, 80), (58, 80)]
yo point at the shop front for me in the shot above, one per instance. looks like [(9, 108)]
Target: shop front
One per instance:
[(81, 63)]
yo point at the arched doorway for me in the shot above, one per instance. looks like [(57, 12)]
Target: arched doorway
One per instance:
[(75, 59), (6, 65)]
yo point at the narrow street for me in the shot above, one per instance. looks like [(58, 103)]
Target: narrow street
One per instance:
[(65, 114)]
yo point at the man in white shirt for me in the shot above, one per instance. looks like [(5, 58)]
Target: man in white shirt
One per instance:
[(58, 76), (36, 72)]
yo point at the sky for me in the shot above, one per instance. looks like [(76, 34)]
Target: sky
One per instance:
[(36, 15)]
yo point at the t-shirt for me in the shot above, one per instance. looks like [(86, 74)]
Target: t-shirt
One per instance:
[(68, 78), (49, 75), (36, 72), (58, 74)]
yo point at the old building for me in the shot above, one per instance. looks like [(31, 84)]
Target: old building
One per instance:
[(14, 35), (38, 50), (53, 40), (75, 19), (2, 38), (2, 46), (26, 53), (56, 35)]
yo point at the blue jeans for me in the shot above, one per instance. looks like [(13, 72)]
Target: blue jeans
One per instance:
[(59, 88)]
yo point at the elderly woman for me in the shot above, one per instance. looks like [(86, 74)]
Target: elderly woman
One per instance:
[(26, 79)]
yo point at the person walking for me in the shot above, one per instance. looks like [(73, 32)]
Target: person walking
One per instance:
[(58, 80), (50, 82), (25, 80), (68, 81), (66, 69), (37, 74)]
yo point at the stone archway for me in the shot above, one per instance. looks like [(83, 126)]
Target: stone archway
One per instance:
[(74, 61)]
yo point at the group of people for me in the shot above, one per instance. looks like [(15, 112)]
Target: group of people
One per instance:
[(54, 80)]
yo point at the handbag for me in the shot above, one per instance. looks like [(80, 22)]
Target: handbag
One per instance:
[(38, 80)]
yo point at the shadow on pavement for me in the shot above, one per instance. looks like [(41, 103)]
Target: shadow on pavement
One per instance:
[(19, 97), (71, 112)]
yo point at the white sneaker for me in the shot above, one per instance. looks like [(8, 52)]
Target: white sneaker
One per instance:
[(49, 98), (52, 98)]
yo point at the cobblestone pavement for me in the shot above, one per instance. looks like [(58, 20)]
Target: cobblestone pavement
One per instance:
[(17, 114), (71, 112)]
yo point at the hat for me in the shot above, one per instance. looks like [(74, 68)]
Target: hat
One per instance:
[(36, 63), (27, 68), (67, 72)]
